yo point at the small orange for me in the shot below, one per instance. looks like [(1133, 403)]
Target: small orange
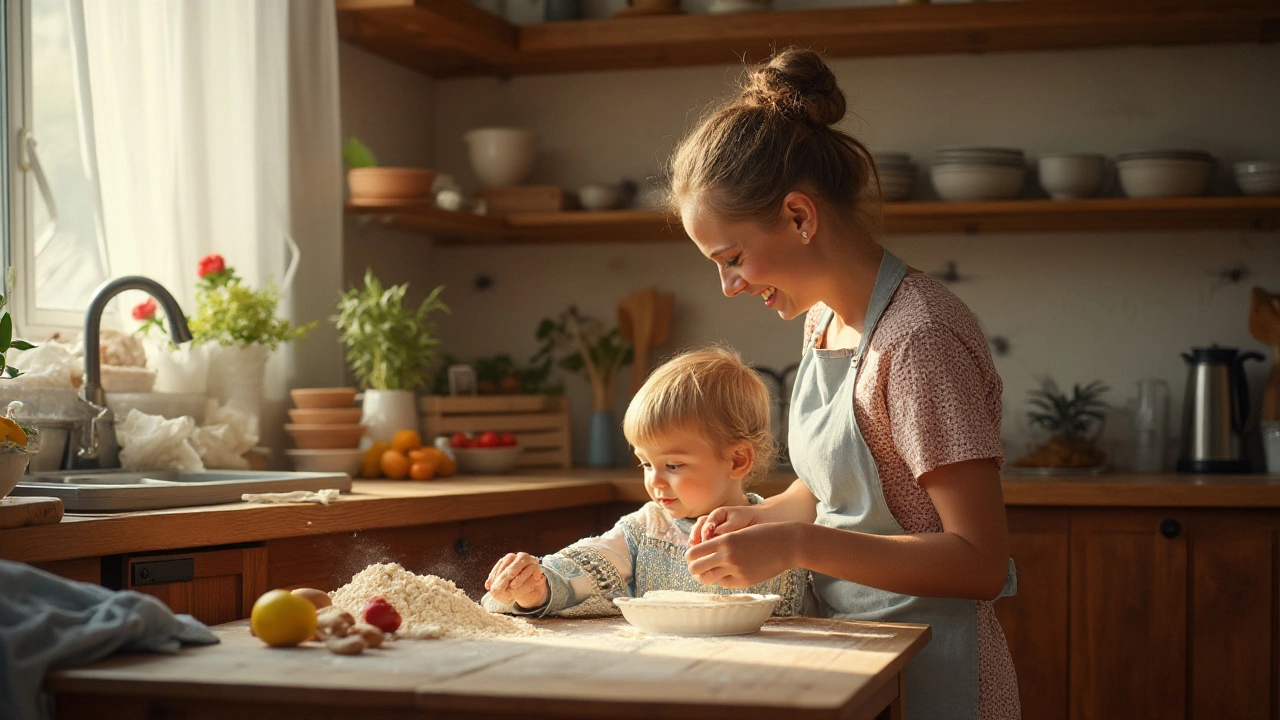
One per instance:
[(422, 470), (406, 440), (447, 467), (371, 462), (420, 454), (394, 464)]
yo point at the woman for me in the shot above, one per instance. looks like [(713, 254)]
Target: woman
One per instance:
[(895, 416)]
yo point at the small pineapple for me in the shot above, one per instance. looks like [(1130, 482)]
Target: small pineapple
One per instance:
[(1072, 420)]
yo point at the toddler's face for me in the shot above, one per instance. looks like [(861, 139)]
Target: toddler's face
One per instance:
[(685, 474)]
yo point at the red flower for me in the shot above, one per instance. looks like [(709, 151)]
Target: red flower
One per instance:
[(212, 263), (144, 310)]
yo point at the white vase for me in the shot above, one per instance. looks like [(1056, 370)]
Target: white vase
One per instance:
[(385, 412), (236, 376)]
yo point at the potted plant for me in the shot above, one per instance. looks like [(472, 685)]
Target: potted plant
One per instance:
[(598, 353), (17, 441), (238, 327), (1073, 423), (390, 347), (379, 186)]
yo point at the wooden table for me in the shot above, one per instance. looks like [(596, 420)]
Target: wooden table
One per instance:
[(598, 668)]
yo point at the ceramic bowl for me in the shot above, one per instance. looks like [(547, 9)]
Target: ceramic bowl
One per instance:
[(12, 467), (501, 156), (325, 437), (379, 185), (698, 620), (486, 461), (1163, 177), (323, 397), (1258, 177), (599, 197), (328, 460), (326, 416), (1071, 176), (960, 182)]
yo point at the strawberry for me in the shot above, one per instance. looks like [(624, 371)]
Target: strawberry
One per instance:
[(380, 614)]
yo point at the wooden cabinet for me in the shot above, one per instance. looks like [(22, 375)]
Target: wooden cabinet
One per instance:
[(83, 569), (215, 586), (1145, 612)]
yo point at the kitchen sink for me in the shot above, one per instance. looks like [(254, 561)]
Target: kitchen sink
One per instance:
[(124, 490)]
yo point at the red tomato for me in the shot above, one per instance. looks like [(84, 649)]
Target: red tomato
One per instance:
[(488, 439), (507, 439), (380, 614), (459, 440)]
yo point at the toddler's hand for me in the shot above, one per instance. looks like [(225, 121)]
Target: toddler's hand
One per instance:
[(722, 520), (518, 578)]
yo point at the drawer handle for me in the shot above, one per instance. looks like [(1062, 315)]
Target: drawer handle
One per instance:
[(1170, 528)]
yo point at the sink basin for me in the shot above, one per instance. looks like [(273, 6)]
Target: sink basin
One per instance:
[(121, 490)]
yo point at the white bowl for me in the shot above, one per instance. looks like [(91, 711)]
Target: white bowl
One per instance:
[(166, 405), (1258, 177), (487, 461), (502, 156), (12, 467), (960, 182), (599, 197), (1071, 176), (1154, 178), (343, 461), (698, 620)]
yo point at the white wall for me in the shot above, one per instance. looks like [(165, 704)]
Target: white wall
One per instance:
[(1077, 307)]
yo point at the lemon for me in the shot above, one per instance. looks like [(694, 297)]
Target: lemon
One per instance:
[(282, 619)]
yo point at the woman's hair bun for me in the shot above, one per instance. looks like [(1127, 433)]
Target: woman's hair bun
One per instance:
[(798, 84)]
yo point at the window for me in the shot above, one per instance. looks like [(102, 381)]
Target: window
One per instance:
[(55, 239)]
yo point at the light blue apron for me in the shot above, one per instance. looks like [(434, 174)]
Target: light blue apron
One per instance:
[(830, 455)]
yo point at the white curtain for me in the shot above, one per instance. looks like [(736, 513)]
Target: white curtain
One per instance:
[(217, 131)]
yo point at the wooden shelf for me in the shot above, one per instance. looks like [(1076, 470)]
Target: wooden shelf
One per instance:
[(451, 38), (1029, 216)]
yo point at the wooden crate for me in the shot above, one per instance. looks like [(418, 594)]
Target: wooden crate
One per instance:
[(539, 422)]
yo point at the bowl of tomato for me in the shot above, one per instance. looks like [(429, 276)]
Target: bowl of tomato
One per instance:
[(485, 453)]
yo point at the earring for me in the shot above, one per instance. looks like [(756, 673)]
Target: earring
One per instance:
[(804, 234)]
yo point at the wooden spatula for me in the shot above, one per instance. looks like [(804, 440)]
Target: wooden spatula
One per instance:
[(644, 320)]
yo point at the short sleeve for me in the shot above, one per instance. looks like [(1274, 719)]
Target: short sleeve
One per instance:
[(943, 398)]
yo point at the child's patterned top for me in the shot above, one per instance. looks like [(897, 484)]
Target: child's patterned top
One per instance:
[(643, 551)]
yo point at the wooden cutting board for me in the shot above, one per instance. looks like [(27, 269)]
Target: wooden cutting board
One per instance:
[(19, 511)]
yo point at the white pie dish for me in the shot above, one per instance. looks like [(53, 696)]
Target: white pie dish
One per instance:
[(662, 617)]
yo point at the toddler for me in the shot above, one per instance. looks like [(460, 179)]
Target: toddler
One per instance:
[(700, 428)]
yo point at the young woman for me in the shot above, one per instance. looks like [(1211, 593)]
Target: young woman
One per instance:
[(895, 415)]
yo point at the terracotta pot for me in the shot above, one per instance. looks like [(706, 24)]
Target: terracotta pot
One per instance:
[(383, 185)]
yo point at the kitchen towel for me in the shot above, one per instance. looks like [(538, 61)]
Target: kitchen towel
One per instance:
[(49, 622)]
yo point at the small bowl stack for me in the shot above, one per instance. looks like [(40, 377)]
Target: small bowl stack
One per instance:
[(897, 176), (326, 428), (1164, 173), (978, 173), (1258, 177)]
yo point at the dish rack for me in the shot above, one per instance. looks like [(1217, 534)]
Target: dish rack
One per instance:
[(539, 422)]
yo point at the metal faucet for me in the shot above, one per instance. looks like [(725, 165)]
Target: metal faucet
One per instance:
[(91, 392)]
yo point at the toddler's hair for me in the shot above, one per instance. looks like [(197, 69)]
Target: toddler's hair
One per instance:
[(711, 392)]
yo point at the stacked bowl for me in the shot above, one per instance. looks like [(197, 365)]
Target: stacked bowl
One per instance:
[(1258, 177), (1164, 172), (897, 177), (978, 173), (326, 428)]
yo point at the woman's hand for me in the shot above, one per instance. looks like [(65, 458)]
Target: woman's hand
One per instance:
[(723, 520), (518, 578), (746, 556)]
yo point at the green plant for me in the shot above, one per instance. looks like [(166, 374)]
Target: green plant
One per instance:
[(591, 349), (389, 346), (1068, 416), (228, 312), (6, 330), (357, 155)]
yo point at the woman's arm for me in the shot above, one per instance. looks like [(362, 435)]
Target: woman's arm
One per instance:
[(795, 504), (968, 559)]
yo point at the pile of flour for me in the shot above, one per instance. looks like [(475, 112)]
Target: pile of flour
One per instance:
[(429, 606)]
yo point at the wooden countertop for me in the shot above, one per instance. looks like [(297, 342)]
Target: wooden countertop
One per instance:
[(385, 503), (597, 668)]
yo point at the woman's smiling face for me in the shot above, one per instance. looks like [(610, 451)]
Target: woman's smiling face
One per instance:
[(751, 259)]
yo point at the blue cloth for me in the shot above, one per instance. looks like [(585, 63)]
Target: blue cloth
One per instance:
[(50, 622)]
